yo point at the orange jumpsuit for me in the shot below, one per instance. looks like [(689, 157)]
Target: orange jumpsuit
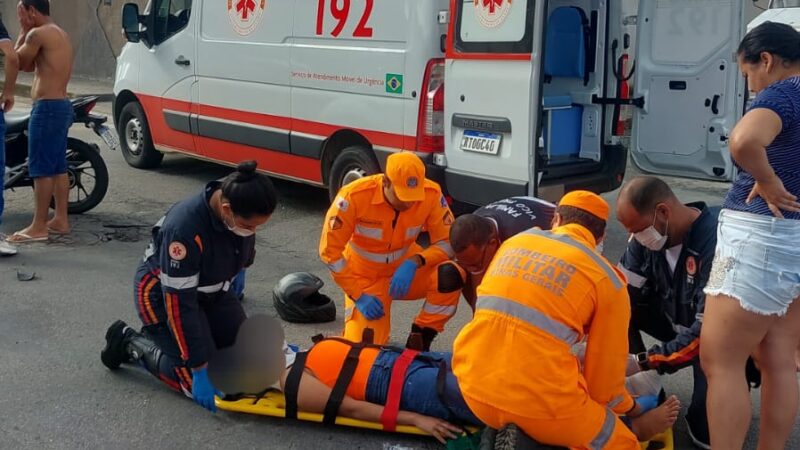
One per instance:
[(363, 242), (544, 292)]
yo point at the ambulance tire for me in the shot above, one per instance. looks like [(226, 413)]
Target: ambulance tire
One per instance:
[(135, 139), (351, 164)]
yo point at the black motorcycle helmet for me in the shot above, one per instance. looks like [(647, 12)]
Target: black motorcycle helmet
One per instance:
[(297, 299)]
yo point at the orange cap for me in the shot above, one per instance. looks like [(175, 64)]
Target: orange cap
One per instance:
[(407, 173), (587, 201)]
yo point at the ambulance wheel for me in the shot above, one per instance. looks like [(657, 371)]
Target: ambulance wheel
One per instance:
[(134, 137), (352, 164)]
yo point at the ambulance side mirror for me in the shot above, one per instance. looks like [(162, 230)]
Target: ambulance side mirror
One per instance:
[(131, 26)]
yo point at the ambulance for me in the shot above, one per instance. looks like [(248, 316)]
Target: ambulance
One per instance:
[(782, 11), (499, 97)]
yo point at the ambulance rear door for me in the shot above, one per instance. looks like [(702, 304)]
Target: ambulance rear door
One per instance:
[(492, 75), (693, 93)]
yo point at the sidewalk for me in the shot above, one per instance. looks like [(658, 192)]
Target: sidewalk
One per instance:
[(78, 87)]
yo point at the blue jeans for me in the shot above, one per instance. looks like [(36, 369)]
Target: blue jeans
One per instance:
[(419, 391), (757, 262), (2, 161), (47, 137)]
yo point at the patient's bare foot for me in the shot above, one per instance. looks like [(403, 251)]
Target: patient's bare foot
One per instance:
[(656, 421)]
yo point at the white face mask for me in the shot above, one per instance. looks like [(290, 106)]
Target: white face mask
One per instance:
[(236, 230), (650, 238)]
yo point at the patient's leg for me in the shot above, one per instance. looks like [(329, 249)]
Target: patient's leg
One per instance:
[(656, 421)]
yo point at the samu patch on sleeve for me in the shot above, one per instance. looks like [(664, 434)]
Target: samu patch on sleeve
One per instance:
[(177, 251), (443, 202)]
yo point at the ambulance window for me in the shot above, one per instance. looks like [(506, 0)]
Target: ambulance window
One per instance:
[(494, 26), (785, 4), (171, 16)]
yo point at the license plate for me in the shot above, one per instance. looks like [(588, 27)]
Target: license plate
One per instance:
[(109, 137), (479, 142)]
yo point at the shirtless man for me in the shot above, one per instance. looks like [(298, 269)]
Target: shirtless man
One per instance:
[(45, 49)]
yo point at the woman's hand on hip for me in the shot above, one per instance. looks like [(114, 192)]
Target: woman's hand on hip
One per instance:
[(775, 195)]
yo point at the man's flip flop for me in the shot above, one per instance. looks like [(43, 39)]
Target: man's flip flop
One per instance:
[(23, 238), (58, 232)]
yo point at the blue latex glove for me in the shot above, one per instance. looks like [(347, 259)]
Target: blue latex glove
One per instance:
[(203, 391), (370, 307), (237, 285), (401, 281), (647, 402)]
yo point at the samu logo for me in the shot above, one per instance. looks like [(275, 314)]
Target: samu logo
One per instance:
[(245, 15), (492, 13)]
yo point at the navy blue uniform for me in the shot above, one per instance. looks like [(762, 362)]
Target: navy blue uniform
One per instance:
[(511, 216), (669, 306), (182, 286), (517, 214)]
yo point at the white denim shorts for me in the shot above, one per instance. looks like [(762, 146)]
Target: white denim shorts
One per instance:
[(757, 262)]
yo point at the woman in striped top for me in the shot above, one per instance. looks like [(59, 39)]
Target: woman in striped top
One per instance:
[(755, 276)]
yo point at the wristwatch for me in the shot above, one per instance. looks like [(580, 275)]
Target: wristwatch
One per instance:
[(643, 361), (421, 260)]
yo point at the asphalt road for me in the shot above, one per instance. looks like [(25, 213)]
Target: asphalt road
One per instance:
[(55, 393)]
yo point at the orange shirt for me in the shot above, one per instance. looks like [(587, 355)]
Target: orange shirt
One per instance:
[(543, 293), (326, 359), (364, 238)]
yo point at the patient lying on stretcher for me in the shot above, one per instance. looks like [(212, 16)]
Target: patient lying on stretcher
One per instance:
[(431, 399)]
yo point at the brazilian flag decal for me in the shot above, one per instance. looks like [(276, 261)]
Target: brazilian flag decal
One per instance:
[(394, 83)]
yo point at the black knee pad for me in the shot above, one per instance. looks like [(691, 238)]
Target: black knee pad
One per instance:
[(450, 279)]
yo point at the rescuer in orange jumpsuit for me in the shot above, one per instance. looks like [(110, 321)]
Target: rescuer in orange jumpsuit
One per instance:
[(369, 243), (544, 292)]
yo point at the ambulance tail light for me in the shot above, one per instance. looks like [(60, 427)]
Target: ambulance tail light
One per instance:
[(430, 126)]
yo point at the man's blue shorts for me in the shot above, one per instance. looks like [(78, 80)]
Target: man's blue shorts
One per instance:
[(47, 137)]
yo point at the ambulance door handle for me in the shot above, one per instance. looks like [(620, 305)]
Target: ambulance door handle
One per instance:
[(715, 105), (182, 61)]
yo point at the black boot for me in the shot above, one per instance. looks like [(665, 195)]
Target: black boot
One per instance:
[(144, 351), (114, 353), (420, 339), (126, 345)]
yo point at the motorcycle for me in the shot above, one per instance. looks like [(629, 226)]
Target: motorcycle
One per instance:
[(86, 170)]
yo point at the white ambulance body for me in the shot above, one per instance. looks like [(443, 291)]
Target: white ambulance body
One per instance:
[(316, 91), (782, 11), (688, 93), (322, 91)]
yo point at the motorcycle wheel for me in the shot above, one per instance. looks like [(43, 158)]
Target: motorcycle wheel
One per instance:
[(88, 176)]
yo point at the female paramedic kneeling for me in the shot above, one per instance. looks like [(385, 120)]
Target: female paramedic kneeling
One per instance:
[(755, 276), (182, 288)]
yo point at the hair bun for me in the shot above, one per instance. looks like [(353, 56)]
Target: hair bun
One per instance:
[(246, 170)]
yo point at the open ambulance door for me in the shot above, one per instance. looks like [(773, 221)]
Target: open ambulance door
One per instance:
[(693, 93), (492, 78)]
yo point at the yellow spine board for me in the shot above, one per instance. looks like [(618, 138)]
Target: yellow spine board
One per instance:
[(664, 438), (274, 405)]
